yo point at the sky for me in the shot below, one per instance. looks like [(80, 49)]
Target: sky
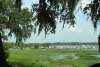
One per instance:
[(82, 32)]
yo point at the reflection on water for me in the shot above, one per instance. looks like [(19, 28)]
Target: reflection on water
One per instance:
[(68, 56)]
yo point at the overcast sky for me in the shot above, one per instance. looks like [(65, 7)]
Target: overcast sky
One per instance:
[(83, 31)]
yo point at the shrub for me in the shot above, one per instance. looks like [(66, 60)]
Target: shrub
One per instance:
[(36, 46)]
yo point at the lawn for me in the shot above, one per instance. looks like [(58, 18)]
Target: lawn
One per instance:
[(40, 58)]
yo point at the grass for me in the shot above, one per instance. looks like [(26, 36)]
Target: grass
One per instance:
[(39, 58)]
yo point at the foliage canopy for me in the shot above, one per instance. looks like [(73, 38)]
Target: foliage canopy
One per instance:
[(17, 22)]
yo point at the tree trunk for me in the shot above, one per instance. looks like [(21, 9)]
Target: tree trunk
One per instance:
[(99, 43), (3, 62), (18, 4)]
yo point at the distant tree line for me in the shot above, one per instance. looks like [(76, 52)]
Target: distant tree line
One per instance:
[(8, 45)]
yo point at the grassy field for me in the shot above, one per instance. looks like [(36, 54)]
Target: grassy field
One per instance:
[(40, 58)]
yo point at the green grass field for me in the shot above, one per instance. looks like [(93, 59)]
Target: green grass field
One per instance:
[(40, 58)]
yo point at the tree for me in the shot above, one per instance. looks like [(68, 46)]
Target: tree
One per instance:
[(93, 11), (17, 21), (99, 42), (24, 32), (3, 20), (47, 14), (24, 27)]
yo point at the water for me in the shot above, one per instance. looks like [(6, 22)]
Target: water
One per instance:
[(97, 56), (68, 56)]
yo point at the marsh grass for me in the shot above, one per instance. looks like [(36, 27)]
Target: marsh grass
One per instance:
[(40, 58)]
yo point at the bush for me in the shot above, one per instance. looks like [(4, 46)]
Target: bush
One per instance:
[(36, 46)]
